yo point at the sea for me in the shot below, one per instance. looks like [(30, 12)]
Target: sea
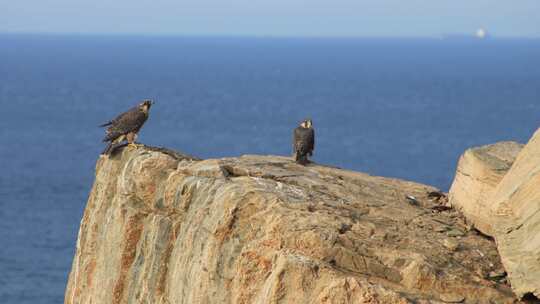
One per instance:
[(404, 108)]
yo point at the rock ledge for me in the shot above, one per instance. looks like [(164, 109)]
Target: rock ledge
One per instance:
[(167, 228)]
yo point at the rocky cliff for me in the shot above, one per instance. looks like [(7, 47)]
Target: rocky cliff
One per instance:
[(162, 227)]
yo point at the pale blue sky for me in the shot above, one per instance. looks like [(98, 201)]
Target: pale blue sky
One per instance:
[(517, 18)]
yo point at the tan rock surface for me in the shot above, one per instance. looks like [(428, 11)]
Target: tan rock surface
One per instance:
[(479, 172), (517, 202), (163, 228)]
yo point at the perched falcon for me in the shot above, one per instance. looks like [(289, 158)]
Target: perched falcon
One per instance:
[(303, 142), (126, 125)]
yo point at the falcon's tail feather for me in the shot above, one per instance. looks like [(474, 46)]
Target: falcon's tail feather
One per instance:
[(111, 136), (107, 149), (301, 159)]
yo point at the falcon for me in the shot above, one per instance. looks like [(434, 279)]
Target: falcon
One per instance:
[(303, 142), (126, 126)]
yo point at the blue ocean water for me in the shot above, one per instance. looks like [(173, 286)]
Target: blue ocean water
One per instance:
[(404, 108)]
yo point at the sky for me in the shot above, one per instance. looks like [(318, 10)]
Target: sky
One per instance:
[(372, 18)]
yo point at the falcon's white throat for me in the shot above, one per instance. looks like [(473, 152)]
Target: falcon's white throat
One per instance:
[(306, 124), (145, 108)]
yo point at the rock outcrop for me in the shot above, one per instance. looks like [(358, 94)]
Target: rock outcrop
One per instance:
[(478, 173), (498, 189), (517, 203), (161, 227)]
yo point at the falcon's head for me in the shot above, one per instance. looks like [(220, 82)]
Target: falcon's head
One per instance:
[(145, 105), (306, 123)]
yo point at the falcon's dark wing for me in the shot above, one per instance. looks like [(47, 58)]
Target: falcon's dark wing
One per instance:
[(117, 118), (130, 121), (311, 141)]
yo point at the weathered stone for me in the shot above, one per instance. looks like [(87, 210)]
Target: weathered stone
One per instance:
[(441, 228), (479, 171), (516, 202), (452, 298), (504, 202), (497, 274), (455, 233), (450, 244), (160, 228)]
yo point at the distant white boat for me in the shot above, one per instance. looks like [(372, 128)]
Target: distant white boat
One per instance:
[(481, 33)]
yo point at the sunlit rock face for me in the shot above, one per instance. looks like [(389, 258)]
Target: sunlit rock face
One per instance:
[(497, 187), (162, 227), (478, 173), (517, 205)]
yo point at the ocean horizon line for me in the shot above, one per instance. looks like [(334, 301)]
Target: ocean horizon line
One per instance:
[(443, 37)]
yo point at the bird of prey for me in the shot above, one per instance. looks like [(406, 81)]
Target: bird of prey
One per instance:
[(126, 126), (303, 141)]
